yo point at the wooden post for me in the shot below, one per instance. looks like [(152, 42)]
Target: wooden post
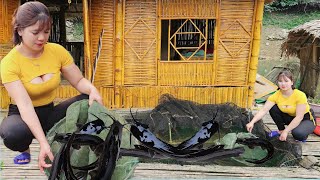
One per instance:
[(216, 42), (315, 73), (87, 42), (255, 50), (4, 22), (118, 72), (62, 25)]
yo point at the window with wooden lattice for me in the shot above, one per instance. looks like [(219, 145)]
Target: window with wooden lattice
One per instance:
[(187, 39)]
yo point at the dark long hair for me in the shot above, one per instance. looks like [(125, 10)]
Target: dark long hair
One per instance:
[(27, 15)]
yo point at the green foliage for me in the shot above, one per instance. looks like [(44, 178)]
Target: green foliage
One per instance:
[(289, 20), (75, 29), (281, 5), (78, 31), (1, 165), (285, 3)]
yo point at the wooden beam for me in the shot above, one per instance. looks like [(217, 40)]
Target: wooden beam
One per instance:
[(315, 61), (87, 42), (259, 6), (55, 2), (119, 45), (62, 25)]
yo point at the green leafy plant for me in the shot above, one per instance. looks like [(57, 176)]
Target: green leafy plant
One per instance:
[(75, 28), (1, 165), (282, 5)]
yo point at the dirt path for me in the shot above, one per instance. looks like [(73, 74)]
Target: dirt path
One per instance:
[(270, 53)]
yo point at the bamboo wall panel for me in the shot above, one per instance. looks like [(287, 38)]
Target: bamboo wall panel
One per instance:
[(144, 79), (185, 74), (4, 98), (107, 94), (67, 91), (181, 9), (102, 13), (148, 96), (140, 33), (4, 49), (12, 6), (2, 20), (64, 92), (235, 39), (6, 10)]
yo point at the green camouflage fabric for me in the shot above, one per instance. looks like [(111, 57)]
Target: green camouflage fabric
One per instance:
[(80, 113)]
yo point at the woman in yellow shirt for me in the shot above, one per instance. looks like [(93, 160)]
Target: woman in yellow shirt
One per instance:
[(287, 106), (31, 73)]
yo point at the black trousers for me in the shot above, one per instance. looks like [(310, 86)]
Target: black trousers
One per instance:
[(16, 134), (301, 132)]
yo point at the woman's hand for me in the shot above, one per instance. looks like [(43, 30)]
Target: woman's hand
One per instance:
[(267, 106), (283, 135), (95, 96), (74, 76), (45, 151), (250, 126)]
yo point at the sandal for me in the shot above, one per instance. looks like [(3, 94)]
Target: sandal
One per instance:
[(302, 141), (274, 134), (23, 158)]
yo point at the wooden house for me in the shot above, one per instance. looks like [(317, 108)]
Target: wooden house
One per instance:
[(200, 50), (303, 41)]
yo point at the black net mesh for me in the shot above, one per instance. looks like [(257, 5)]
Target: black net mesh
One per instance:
[(175, 120)]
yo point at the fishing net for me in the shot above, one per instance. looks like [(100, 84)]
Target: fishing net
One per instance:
[(175, 120), (80, 113)]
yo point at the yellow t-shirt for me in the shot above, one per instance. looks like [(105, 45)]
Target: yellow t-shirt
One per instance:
[(289, 104), (14, 66)]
